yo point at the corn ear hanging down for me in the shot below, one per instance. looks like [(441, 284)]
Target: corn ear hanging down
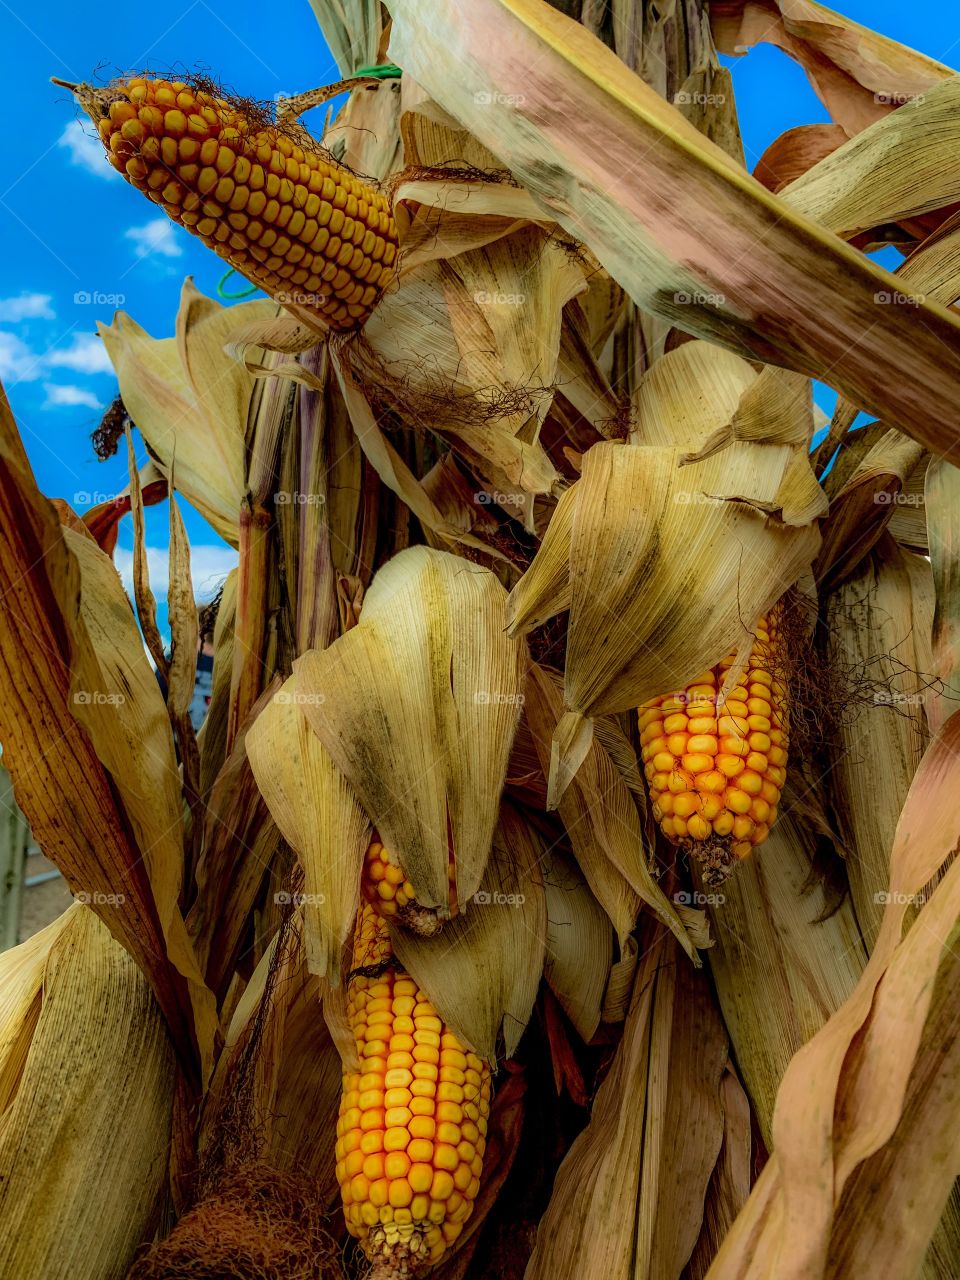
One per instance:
[(413, 1118), (282, 213), (716, 771)]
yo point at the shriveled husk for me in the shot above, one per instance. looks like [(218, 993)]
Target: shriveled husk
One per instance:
[(417, 706), (84, 1138), (628, 1200), (785, 958), (190, 400), (846, 1149), (873, 752), (579, 944)]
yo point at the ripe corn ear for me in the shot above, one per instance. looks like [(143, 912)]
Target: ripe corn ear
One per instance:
[(413, 1120), (285, 215), (716, 773), (392, 896)]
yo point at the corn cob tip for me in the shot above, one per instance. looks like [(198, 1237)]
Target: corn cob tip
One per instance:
[(64, 84)]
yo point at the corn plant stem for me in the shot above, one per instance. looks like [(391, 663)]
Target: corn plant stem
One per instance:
[(249, 651)]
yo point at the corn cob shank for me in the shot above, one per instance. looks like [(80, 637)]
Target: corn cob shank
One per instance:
[(715, 773), (413, 1120), (285, 215)]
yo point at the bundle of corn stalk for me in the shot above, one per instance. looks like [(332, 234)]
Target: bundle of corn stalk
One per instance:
[(563, 880)]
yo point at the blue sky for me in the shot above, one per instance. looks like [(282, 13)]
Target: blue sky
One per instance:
[(77, 239)]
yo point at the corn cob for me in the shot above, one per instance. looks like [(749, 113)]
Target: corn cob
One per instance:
[(715, 773), (413, 1119), (285, 215), (391, 894)]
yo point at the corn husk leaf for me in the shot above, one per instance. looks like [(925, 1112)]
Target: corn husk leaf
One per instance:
[(601, 819), (628, 1198), (21, 985), (579, 947), (190, 400), (395, 701), (212, 737), (319, 816), (942, 505), (83, 725), (643, 616), (501, 936), (623, 171), (782, 963), (74, 1201), (871, 633), (846, 1092), (859, 75)]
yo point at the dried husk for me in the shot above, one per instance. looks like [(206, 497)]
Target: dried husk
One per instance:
[(628, 1200), (318, 815), (499, 937), (76, 1199), (579, 944), (783, 961), (417, 706)]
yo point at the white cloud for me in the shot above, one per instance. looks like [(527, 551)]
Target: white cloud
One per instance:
[(156, 236), (27, 306), (85, 150), (209, 565), (59, 395), (17, 362), (86, 354)]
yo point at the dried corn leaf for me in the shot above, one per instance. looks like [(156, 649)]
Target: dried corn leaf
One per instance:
[(318, 814), (628, 1199), (859, 74), (871, 637), (501, 934), (21, 984), (602, 822), (894, 169), (51, 675), (795, 151), (579, 948), (190, 400), (212, 738), (75, 1202), (623, 171), (782, 963), (845, 1093), (942, 505), (418, 705)]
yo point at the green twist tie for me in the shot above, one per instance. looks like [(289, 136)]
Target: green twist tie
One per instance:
[(230, 297)]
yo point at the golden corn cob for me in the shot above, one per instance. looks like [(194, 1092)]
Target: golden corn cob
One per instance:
[(413, 1119), (285, 215), (391, 894), (715, 774)]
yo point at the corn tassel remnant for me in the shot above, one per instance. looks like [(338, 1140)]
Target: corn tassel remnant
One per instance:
[(413, 1120), (716, 774), (281, 212)]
